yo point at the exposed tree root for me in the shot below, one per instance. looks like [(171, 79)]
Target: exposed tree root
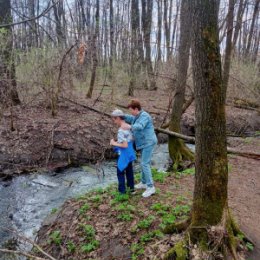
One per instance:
[(178, 252), (179, 152), (207, 242), (177, 227)]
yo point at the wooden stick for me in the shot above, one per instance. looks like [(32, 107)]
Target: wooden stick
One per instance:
[(26, 239), (7, 251)]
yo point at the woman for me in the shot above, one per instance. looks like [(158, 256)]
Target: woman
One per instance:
[(145, 141)]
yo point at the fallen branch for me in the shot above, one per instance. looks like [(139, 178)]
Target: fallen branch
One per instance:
[(191, 140), (15, 252), (244, 154), (28, 240), (86, 106)]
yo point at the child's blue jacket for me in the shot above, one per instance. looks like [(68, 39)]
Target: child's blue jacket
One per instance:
[(126, 155)]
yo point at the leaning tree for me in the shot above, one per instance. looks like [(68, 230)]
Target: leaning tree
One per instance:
[(177, 149), (210, 227)]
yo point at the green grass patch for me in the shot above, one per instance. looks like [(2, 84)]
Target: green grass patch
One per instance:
[(89, 231), (137, 250), (54, 210), (89, 247), (167, 220), (159, 176), (181, 210), (118, 198), (146, 223), (125, 217), (160, 207), (55, 237), (83, 209), (71, 247), (125, 207), (147, 237), (96, 199)]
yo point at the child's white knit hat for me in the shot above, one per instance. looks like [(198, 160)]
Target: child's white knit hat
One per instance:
[(117, 113)]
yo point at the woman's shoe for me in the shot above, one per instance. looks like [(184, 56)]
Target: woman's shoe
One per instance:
[(140, 186), (149, 191)]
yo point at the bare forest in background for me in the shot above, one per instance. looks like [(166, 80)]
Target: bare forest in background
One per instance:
[(56, 49)]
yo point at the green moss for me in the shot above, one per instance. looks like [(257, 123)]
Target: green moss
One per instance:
[(179, 152), (178, 252)]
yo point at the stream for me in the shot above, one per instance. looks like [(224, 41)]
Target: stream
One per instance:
[(26, 200)]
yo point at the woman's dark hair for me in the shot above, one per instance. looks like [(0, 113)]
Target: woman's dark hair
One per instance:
[(135, 103)]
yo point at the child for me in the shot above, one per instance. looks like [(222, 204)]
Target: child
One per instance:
[(124, 148)]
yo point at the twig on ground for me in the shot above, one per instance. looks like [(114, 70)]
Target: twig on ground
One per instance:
[(15, 252), (28, 240)]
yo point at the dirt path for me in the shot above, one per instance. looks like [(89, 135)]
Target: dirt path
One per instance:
[(244, 198)]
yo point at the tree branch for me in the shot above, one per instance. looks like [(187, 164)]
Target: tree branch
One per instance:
[(33, 18)]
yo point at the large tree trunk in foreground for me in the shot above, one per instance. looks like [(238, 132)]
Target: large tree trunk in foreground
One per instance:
[(8, 91), (210, 194), (177, 149), (210, 199)]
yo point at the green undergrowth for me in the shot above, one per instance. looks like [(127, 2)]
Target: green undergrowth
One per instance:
[(103, 215)]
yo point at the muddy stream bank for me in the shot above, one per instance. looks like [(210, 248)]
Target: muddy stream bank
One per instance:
[(27, 200)]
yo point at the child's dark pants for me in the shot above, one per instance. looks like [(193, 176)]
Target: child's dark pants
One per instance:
[(128, 172)]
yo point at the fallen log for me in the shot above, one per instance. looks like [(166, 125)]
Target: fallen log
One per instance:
[(191, 140), (86, 106)]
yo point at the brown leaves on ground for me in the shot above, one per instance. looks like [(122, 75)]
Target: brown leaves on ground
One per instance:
[(126, 226), (130, 226)]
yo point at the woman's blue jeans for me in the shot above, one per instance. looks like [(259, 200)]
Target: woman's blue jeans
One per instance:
[(146, 157)]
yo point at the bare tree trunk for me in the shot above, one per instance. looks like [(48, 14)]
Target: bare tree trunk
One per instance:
[(167, 30), (239, 18), (32, 24), (94, 53), (147, 10), (159, 33), (112, 42), (134, 44), (256, 47), (255, 15), (228, 52), (177, 149), (58, 14), (8, 86), (175, 26)]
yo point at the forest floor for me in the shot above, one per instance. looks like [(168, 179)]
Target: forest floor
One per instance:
[(104, 225), (121, 224), (31, 139)]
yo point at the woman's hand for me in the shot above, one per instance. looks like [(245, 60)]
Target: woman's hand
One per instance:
[(112, 142), (126, 126)]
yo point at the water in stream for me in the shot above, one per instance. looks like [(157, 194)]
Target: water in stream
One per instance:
[(28, 199)]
